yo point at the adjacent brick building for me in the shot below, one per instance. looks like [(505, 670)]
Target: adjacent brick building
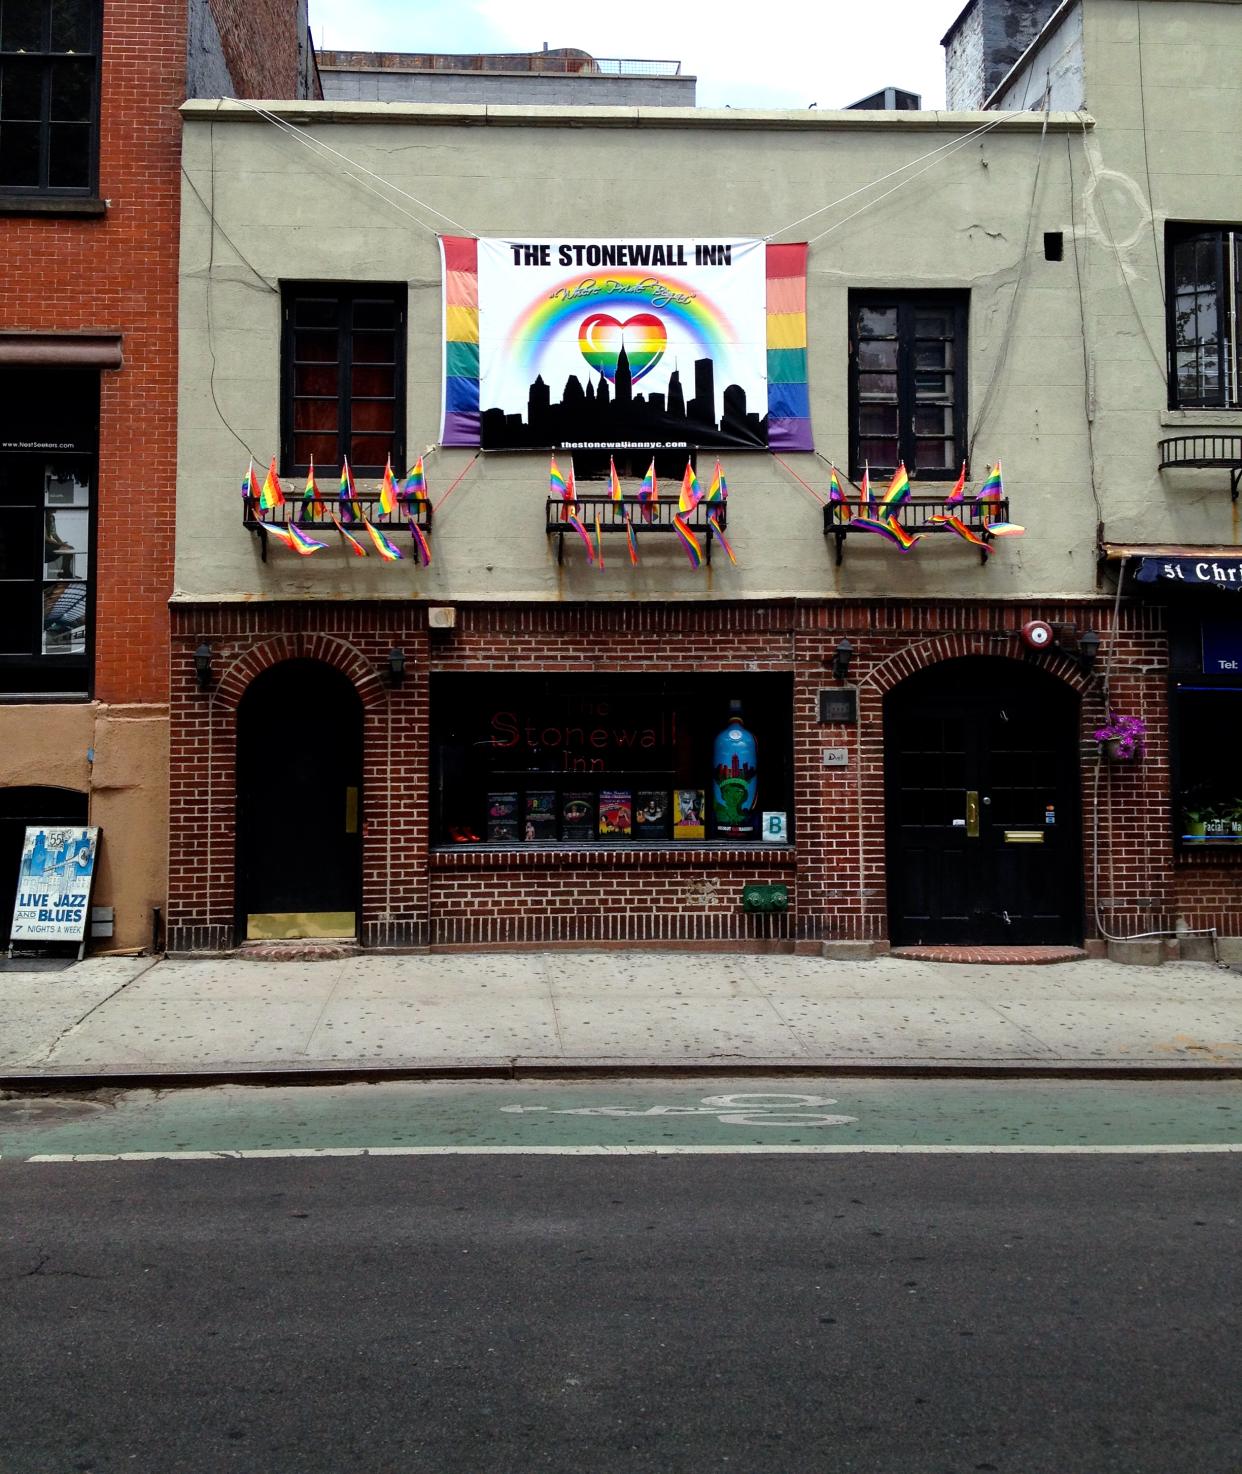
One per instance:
[(90, 154)]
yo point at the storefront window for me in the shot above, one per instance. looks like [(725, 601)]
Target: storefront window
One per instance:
[(607, 759), (1208, 799)]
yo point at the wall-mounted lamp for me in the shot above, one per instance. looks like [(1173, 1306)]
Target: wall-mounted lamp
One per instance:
[(396, 666), (202, 666), (841, 658), (1088, 649)]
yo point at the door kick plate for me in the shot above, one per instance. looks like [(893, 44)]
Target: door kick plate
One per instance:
[(1024, 836)]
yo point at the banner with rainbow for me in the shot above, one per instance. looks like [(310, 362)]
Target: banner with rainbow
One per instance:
[(624, 343)]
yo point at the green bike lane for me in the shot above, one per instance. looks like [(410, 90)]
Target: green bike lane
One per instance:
[(626, 1116)]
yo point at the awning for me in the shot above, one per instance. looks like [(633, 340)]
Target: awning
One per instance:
[(1179, 564), (60, 350)]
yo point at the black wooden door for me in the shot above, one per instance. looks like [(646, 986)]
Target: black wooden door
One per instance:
[(299, 789), (981, 773)]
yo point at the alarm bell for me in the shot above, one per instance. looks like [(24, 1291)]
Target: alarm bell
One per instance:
[(1036, 634)]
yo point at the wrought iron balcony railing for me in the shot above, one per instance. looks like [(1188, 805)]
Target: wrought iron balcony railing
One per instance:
[(1197, 451), (295, 509), (914, 516), (645, 518)]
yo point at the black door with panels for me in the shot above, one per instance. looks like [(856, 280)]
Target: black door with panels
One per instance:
[(299, 785), (981, 780)]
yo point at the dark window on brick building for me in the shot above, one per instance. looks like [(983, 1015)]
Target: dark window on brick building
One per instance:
[(343, 376), (49, 96), (1204, 294), (908, 382), (48, 429)]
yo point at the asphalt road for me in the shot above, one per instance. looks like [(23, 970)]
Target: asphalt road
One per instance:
[(921, 1314)]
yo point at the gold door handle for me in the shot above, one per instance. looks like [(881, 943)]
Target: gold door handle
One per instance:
[(972, 814), (351, 811)]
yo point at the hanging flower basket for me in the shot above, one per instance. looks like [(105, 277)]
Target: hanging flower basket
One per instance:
[(1122, 738)]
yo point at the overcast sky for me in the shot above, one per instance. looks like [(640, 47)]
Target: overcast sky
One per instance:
[(778, 53)]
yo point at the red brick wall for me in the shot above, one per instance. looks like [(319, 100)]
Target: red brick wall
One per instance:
[(260, 43), (837, 872), (119, 274)]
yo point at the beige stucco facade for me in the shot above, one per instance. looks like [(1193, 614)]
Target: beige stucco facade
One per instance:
[(117, 757)]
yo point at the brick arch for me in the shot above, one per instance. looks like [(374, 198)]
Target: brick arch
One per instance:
[(939, 648), (339, 654)]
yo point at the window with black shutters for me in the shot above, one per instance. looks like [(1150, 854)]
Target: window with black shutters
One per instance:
[(49, 96), (343, 376), (1205, 284), (908, 382)]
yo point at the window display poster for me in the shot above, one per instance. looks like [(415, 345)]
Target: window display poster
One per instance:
[(54, 884), (541, 814), (688, 814), (502, 816), (615, 812), (651, 813), (578, 815)]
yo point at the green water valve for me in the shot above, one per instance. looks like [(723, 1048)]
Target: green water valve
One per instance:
[(767, 899)]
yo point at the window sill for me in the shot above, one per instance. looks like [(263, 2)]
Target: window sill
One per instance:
[(1227, 419), (701, 855), (44, 204), (43, 698), (1207, 854)]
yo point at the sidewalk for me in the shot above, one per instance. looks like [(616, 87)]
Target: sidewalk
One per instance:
[(639, 1011)]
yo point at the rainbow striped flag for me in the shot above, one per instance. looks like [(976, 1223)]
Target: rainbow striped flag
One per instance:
[(556, 482), (571, 493), (388, 490), (866, 501), (281, 534), (599, 544), (898, 489), (416, 483), (271, 495), (1003, 529), (631, 541), (310, 497), (993, 489), (836, 495), (958, 494), (303, 542), (576, 524), (714, 523), (718, 491), (250, 486), (614, 483), (689, 542), (350, 540), (691, 495), (955, 524), (648, 492), (349, 492), (886, 527), (422, 548), (387, 550)]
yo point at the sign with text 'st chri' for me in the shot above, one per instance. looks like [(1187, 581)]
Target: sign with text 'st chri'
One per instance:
[(618, 343), (54, 884)]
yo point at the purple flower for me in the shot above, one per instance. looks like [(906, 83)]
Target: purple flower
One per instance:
[(1127, 732)]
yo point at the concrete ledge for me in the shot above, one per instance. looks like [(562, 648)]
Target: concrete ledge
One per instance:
[(847, 951), (1148, 953)]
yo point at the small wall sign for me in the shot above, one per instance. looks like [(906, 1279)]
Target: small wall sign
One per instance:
[(775, 827), (839, 704), (836, 757)]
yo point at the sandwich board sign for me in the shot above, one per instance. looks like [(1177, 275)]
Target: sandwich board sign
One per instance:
[(54, 884)]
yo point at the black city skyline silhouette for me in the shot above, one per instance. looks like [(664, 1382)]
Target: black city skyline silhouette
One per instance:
[(617, 415)]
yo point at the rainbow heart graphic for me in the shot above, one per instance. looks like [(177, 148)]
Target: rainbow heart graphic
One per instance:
[(600, 338)]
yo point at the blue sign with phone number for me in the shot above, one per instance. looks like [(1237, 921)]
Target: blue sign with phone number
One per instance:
[(1222, 647)]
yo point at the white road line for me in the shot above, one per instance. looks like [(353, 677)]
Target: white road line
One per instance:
[(834, 1149)]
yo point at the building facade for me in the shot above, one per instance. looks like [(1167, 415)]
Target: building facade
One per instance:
[(513, 743), (90, 150)]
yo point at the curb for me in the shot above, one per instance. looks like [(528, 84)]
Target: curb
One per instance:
[(72, 1082)]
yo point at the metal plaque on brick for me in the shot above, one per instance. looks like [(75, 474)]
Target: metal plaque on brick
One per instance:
[(839, 705)]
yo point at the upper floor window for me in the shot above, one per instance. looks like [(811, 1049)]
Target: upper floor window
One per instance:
[(343, 376), (49, 95), (908, 382), (48, 428), (1205, 283)]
